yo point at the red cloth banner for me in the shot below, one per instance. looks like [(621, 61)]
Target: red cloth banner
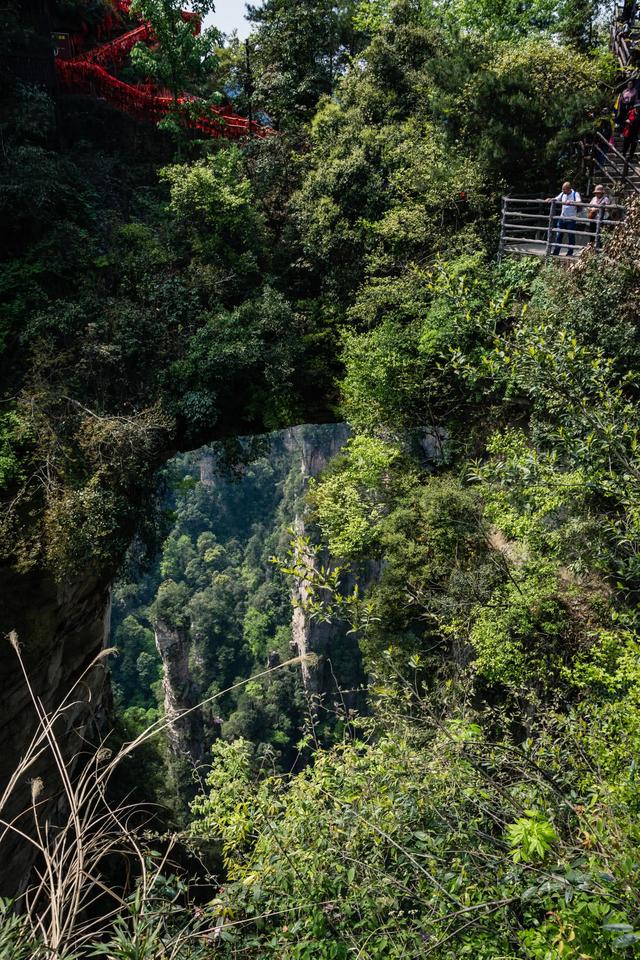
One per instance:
[(87, 74)]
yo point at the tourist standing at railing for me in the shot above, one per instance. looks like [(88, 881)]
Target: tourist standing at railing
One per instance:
[(597, 212), (566, 222), (630, 132)]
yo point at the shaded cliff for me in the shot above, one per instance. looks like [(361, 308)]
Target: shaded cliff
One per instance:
[(331, 665), (185, 729), (62, 629)]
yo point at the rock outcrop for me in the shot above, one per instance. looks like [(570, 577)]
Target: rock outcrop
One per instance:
[(314, 639), (62, 629), (185, 730)]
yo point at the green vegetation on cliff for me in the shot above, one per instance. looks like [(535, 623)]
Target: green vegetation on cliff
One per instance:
[(485, 803), (213, 581), (150, 305)]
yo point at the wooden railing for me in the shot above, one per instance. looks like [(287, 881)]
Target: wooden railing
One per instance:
[(624, 38), (530, 227), (622, 170), (619, 45), (91, 72)]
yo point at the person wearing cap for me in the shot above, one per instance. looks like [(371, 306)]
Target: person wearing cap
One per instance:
[(566, 222), (597, 210)]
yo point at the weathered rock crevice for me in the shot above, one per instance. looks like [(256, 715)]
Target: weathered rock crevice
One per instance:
[(185, 728), (62, 629), (315, 640)]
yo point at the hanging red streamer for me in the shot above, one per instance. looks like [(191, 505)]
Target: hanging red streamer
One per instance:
[(87, 73)]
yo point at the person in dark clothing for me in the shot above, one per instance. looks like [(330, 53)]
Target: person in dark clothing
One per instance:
[(624, 103), (631, 132), (628, 11)]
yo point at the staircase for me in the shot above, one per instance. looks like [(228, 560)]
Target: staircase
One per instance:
[(622, 177), (530, 225), (610, 167)]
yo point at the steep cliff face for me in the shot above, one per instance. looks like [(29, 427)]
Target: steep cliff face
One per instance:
[(315, 445), (61, 629), (207, 469), (314, 640), (185, 732)]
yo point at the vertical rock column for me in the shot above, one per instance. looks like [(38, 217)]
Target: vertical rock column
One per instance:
[(207, 468), (185, 732), (311, 636)]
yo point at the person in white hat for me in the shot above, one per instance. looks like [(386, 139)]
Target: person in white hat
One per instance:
[(597, 210)]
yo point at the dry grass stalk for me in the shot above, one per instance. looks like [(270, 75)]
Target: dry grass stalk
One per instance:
[(70, 856)]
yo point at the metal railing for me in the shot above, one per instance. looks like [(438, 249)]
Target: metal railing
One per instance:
[(534, 228), (606, 154), (624, 37), (618, 40)]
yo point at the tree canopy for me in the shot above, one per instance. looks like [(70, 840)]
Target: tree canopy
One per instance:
[(475, 543)]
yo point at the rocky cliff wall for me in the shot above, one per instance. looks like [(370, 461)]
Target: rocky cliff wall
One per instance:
[(185, 734), (61, 629), (315, 640)]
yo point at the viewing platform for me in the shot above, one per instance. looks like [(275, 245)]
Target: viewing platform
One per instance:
[(530, 227)]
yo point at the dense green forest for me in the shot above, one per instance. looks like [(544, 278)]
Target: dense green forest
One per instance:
[(474, 545), (215, 580)]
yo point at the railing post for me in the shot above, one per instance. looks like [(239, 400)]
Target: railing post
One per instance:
[(591, 164), (502, 228), (596, 242), (549, 229)]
